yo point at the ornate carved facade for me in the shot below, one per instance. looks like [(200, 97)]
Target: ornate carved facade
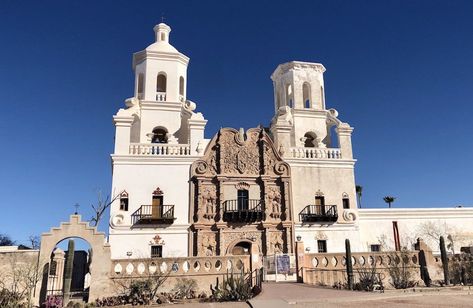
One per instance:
[(241, 194)]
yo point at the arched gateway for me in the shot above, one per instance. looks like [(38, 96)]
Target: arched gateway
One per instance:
[(101, 263), (241, 197)]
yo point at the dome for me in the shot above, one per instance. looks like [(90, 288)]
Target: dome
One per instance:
[(162, 46)]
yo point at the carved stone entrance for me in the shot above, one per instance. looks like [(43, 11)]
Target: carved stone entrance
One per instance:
[(241, 197), (101, 263)]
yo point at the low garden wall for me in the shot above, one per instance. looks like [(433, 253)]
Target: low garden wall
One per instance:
[(330, 268), (204, 270)]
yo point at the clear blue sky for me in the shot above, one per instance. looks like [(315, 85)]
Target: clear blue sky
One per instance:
[(400, 72)]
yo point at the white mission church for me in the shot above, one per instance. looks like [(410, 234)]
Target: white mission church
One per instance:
[(245, 192)]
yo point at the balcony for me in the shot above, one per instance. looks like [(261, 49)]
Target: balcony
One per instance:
[(319, 213), (246, 210), (153, 214)]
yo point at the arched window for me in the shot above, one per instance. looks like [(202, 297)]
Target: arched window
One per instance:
[(124, 201), (333, 137), (163, 36), (310, 141), (181, 86), (306, 94), (161, 83), (322, 96), (288, 94), (140, 85), (160, 135)]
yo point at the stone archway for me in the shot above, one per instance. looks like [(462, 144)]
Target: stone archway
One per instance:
[(237, 247), (101, 260)]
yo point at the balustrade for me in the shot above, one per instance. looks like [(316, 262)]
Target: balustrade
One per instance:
[(313, 153), (160, 149)]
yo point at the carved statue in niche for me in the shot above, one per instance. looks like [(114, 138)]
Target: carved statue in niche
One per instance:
[(209, 244), (213, 162), (209, 201), (268, 159), (277, 242), (274, 202)]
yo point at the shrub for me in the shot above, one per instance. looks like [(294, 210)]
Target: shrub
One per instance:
[(368, 278), (232, 288), (185, 288), (400, 271)]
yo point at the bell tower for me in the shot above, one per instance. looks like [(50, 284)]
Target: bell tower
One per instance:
[(301, 119), (159, 109)]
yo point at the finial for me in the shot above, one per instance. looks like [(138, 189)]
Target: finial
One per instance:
[(77, 208), (162, 18)]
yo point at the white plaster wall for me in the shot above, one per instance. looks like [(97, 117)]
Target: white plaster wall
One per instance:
[(376, 224), (332, 178), (140, 176), (139, 243), (335, 236)]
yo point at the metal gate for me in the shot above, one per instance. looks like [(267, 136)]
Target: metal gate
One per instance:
[(280, 267)]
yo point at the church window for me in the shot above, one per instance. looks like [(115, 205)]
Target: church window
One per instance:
[(242, 199), (140, 85), (309, 141), (159, 135), (181, 85), (346, 203), (321, 246), (161, 83), (322, 96), (288, 94), (156, 251), (163, 36), (306, 94), (124, 201), (375, 247), (333, 137)]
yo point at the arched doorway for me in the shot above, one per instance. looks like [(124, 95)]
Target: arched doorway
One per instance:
[(242, 249), (68, 276), (100, 267)]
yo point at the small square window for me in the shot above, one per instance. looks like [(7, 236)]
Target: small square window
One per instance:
[(157, 251), (346, 203), (375, 247), (322, 246)]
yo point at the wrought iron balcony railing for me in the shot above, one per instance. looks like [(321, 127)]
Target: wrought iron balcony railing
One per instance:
[(153, 214), (319, 213), (243, 210)]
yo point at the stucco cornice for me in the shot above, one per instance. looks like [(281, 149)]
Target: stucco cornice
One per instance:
[(140, 56), (294, 65)]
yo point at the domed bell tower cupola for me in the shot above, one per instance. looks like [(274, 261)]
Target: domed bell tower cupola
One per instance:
[(160, 70)]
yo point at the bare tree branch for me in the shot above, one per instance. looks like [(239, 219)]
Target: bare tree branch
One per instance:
[(102, 205)]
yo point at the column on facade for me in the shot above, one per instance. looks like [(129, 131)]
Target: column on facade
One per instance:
[(196, 133), (122, 132), (344, 138)]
